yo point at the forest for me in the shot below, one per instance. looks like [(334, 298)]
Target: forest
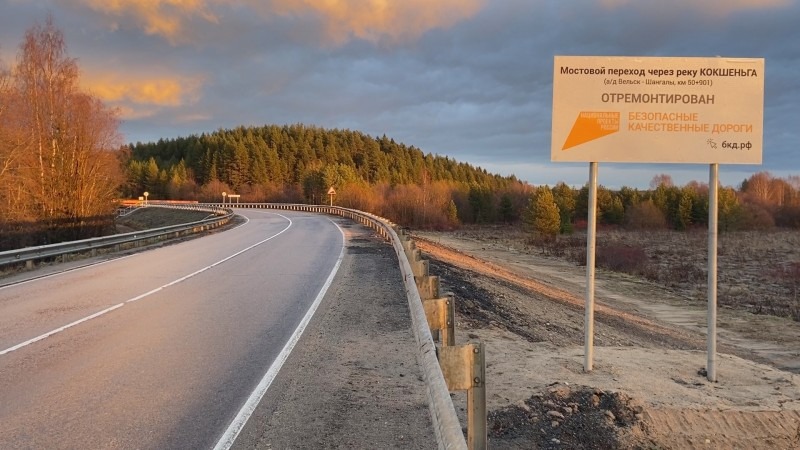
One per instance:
[(298, 163)]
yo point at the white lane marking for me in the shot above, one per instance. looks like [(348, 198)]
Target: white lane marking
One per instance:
[(186, 277), (139, 297), (229, 437), (71, 270), (58, 330)]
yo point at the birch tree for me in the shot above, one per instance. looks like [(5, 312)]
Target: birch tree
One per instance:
[(60, 147)]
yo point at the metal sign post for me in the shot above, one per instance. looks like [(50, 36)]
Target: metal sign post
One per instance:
[(331, 193), (713, 230), (591, 233)]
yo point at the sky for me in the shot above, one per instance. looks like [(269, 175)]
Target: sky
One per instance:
[(467, 79)]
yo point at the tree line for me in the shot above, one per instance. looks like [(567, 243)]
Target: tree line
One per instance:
[(761, 202), (59, 170), (298, 163)]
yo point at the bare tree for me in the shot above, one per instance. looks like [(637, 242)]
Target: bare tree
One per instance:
[(661, 179), (759, 186), (57, 143), (6, 156), (46, 79), (12, 146)]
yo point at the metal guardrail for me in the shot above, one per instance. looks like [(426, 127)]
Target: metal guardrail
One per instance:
[(30, 254), (445, 421)]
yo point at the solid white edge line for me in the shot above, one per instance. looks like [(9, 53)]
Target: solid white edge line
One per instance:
[(229, 437), (141, 296)]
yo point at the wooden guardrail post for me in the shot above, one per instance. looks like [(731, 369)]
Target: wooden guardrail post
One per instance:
[(428, 286), (464, 369), (440, 313)]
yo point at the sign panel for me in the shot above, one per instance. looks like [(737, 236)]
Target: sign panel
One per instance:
[(657, 110)]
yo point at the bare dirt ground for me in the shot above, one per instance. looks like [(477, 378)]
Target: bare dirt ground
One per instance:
[(648, 387)]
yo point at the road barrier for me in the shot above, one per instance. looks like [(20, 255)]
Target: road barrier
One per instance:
[(445, 367), (220, 216)]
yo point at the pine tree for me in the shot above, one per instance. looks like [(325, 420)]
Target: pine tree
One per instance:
[(565, 198), (542, 216), (452, 213)]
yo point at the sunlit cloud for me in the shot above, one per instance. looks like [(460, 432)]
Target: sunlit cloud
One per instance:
[(143, 97), (374, 20), (165, 18), (338, 21), (718, 8)]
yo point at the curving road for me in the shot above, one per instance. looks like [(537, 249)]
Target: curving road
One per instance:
[(159, 349)]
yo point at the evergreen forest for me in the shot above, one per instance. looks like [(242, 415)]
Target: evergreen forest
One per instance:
[(299, 163)]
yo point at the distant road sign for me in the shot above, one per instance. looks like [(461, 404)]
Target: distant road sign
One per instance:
[(331, 191), (657, 110)]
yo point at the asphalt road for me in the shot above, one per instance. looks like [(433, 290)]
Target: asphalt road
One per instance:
[(159, 349)]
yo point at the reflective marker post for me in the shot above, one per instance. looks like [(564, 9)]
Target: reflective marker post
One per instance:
[(713, 230), (591, 234)]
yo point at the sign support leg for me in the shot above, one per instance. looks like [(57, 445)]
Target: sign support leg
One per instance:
[(591, 232), (713, 231)]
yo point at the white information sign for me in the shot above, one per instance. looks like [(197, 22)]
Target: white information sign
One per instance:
[(657, 110)]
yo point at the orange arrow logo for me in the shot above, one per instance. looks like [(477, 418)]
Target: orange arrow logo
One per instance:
[(590, 126)]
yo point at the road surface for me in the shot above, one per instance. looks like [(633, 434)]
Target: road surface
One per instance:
[(167, 348)]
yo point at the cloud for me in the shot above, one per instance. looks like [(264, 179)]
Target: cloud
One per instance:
[(138, 97), (334, 22), (165, 18), (376, 20), (717, 8)]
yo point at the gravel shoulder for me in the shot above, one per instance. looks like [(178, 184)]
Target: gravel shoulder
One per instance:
[(648, 388), (353, 380)]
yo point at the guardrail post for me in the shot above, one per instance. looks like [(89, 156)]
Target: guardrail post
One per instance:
[(441, 313), (428, 286), (409, 246), (464, 369), (420, 267)]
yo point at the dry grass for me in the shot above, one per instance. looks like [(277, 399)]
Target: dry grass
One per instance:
[(758, 271)]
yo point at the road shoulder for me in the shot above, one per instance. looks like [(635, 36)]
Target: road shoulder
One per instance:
[(353, 379)]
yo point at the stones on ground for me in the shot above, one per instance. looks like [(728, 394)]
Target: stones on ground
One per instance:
[(575, 407), (560, 392), (578, 416)]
